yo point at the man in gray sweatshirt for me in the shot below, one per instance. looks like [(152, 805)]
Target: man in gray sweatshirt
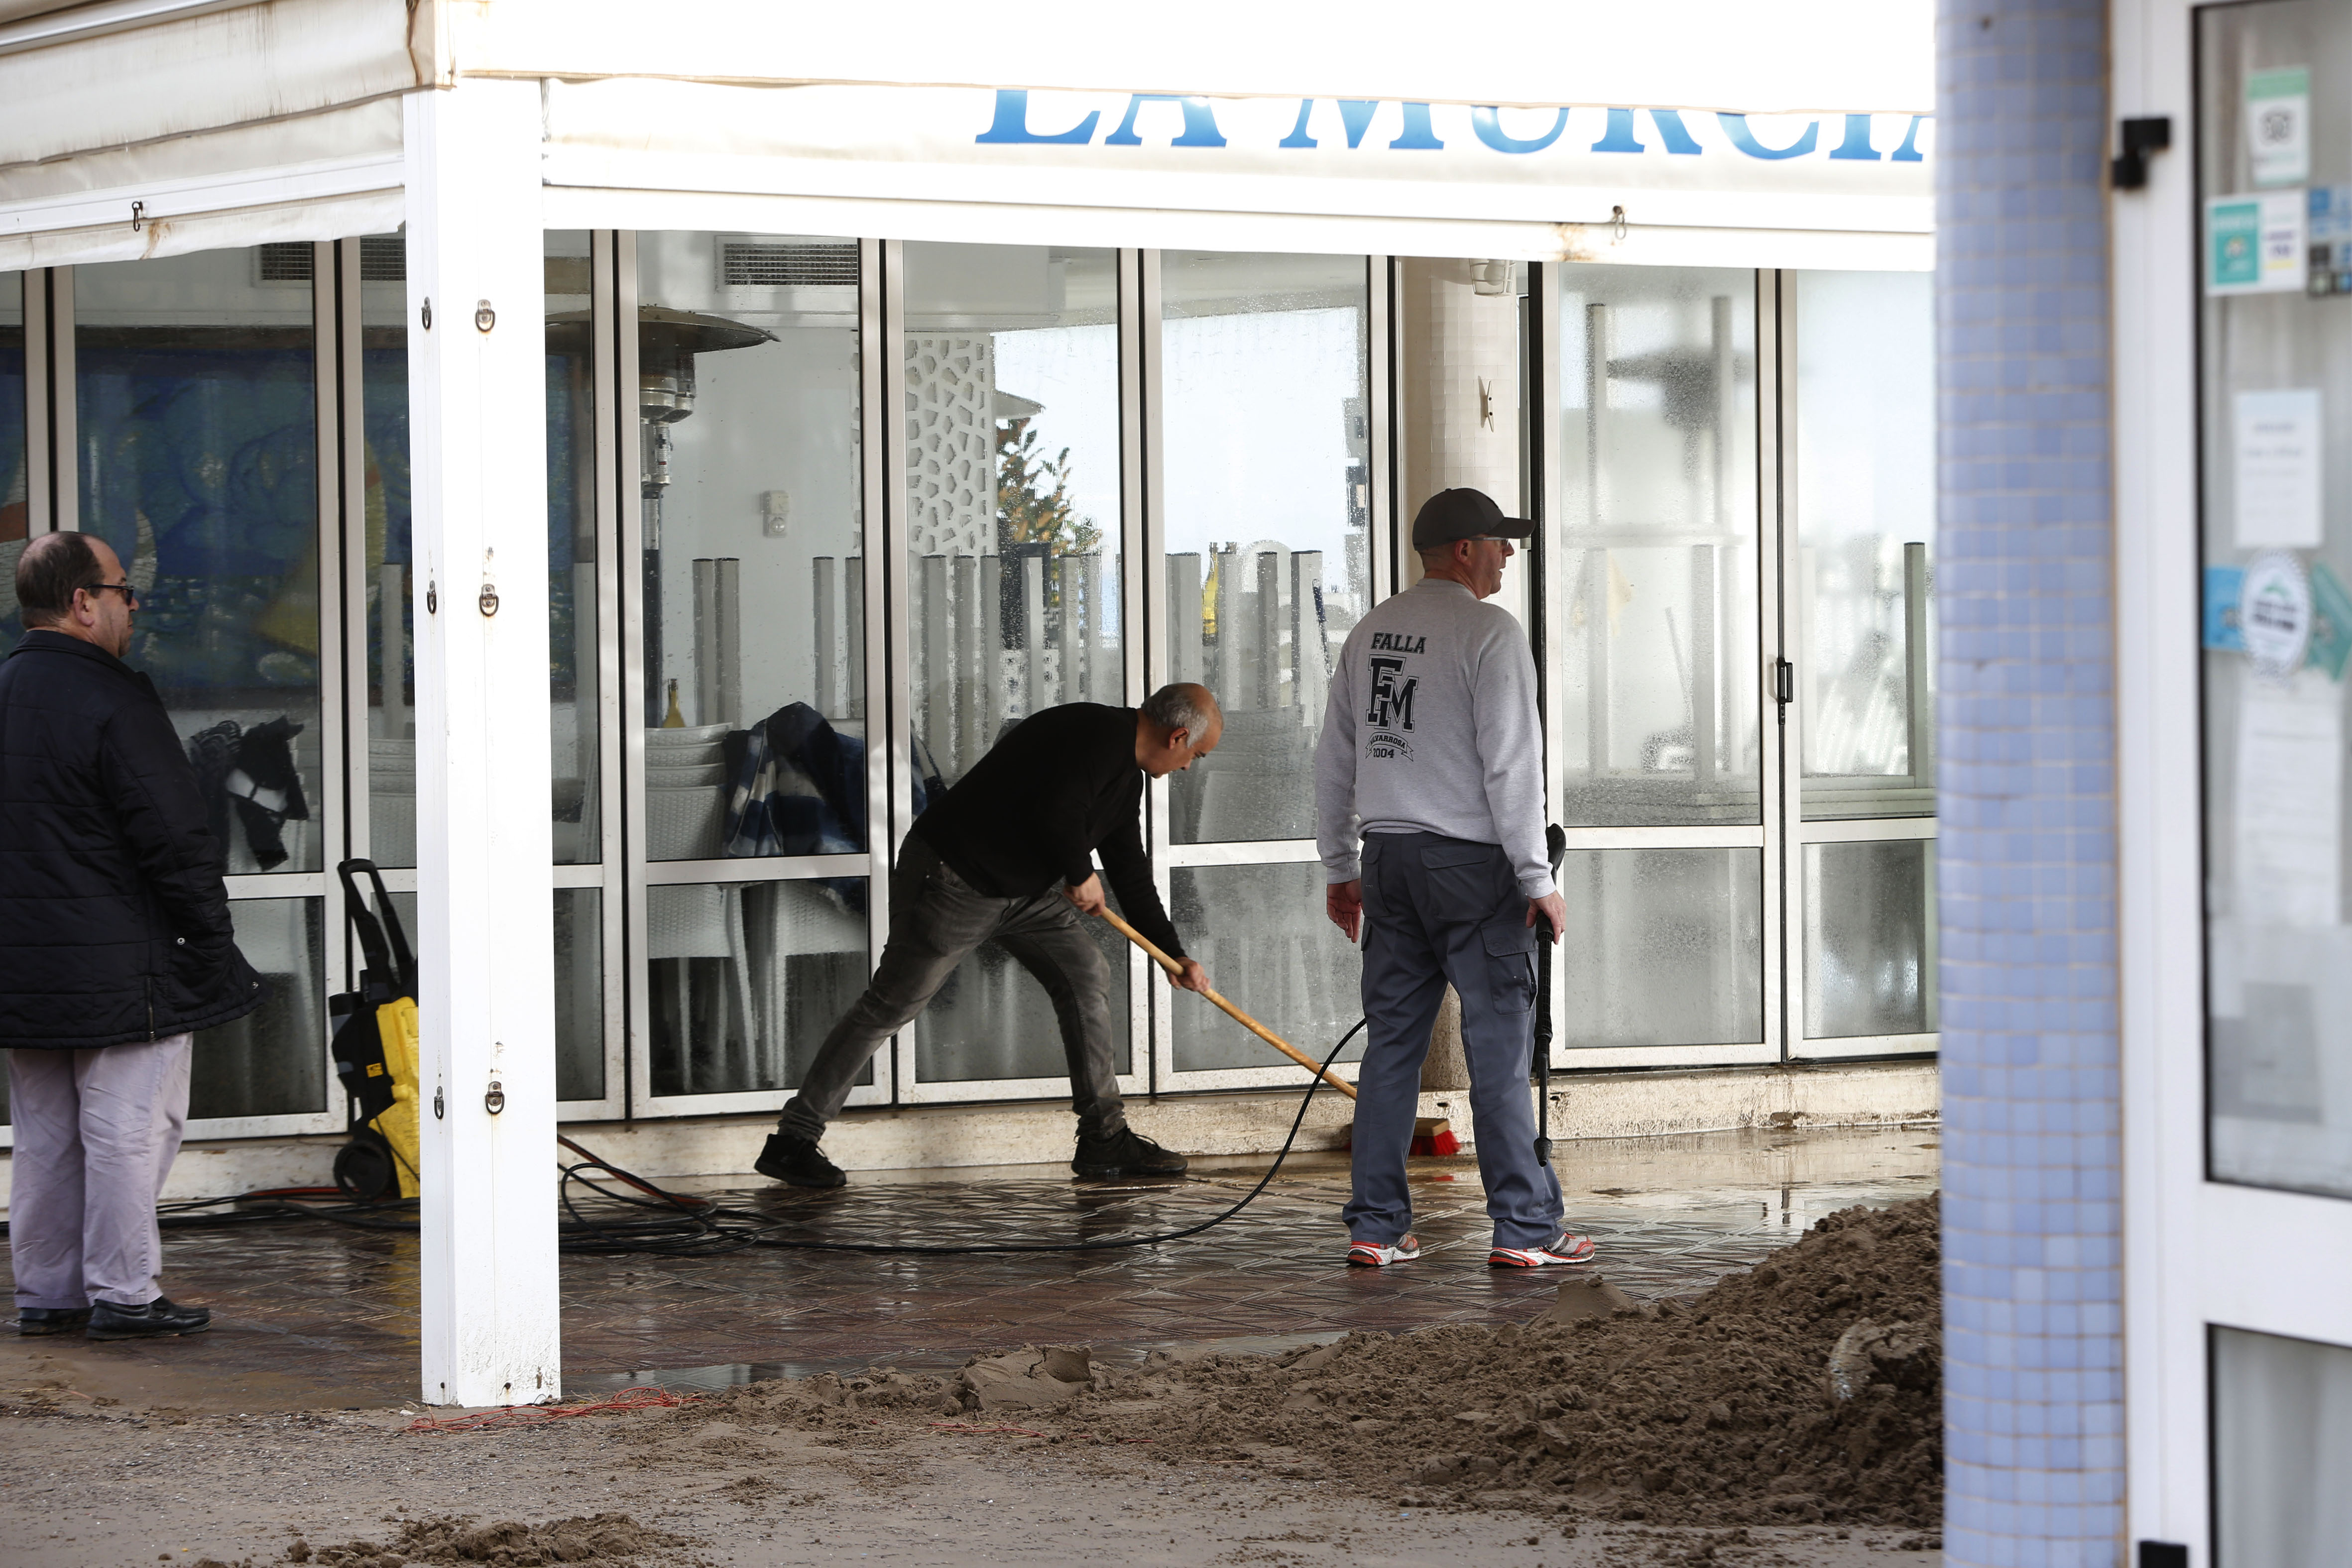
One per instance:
[(1431, 756)]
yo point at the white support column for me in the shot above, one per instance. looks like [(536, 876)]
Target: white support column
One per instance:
[(485, 917)]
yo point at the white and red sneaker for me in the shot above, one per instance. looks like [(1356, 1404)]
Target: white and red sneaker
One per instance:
[(1380, 1255), (1565, 1247)]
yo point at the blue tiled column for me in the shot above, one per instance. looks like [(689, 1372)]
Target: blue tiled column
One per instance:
[(2032, 1228)]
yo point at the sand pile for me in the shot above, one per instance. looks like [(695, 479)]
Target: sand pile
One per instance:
[(1804, 1390), (607, 1540)]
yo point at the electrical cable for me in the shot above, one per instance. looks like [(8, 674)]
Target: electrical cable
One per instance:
[(674, 1224)]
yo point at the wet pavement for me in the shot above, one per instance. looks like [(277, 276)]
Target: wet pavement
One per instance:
[(314, 1314)]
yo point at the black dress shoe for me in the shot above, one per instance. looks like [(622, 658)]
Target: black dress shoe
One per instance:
[(1125, 1152), (159, 1319), (797, 1161), (35, 1320)]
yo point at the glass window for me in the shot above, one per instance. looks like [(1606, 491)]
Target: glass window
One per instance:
[(197, 411), (753, 582), (745, 979), (1870, 938), (2282, 1448), (572, 551), (387, 584), (1014, 571), (1267, 492), (2275, 424), (1657, 396), (1663, 947), (579, 993), (273, 1061), (1259, 931), (1865, 479)]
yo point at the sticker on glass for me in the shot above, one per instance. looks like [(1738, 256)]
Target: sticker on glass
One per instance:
[(2278, 126), (2255, 243), (2274, 614), (2278, 468)]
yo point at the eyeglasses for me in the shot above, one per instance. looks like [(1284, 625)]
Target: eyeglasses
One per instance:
[(130, 594)]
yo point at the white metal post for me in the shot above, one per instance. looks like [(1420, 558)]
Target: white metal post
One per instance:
[(485, 936)]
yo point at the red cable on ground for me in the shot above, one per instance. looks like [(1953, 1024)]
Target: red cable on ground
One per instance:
[(638, 1398)]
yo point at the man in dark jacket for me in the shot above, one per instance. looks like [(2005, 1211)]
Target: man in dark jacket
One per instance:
[(1008, 855), (115, 947)]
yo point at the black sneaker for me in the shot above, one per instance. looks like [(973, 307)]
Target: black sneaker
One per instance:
[(797, 1161), (1125, 1152), (159, 1319), (35, 1320)]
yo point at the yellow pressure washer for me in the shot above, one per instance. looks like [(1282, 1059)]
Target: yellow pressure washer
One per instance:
[(375, 1048)]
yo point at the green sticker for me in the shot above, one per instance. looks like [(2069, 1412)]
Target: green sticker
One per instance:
[(2234, 234)]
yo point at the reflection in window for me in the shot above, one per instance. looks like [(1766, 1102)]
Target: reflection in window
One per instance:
[(1267, 487), (1663, 947), (387, 584), (273, 1061), (1261, 934), (1865, 521), (197, 414), (752, 584), (1657, 398), (571, 553), (1870, 938), (746, 978)]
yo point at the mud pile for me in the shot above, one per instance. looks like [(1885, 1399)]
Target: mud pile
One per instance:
[(1804, 1390), (606, 1540)]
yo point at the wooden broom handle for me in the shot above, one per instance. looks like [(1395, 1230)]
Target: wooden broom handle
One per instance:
[(1239, 1017)]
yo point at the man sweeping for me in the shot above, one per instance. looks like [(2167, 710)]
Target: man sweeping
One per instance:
[(1007, 855), (1432, 756)]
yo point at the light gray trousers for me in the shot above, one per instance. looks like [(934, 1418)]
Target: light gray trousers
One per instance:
[(96, 1135)]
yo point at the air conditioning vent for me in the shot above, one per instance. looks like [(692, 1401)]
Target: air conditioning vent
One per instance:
[(285, 263), (787, 263)]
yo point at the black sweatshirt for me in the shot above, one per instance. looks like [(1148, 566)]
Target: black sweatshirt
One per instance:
[(1031, 814)]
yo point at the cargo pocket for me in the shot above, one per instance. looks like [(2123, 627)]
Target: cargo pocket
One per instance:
[(1511, 965)]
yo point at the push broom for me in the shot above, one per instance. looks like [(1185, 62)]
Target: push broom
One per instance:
[(1431, 1135)]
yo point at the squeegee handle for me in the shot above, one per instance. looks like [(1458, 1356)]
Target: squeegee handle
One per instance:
[(1239, 1017)]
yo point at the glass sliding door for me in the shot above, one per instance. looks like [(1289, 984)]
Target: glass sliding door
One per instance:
[(1860, 595), (1016, 583), (751, 752), (1263, 481), (1662, 753)]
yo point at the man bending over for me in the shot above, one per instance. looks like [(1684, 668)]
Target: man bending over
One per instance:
[(1006, 856)]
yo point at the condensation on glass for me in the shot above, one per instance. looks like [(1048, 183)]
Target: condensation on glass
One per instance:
[(1662, 946), (1259, 931), (1865, 485), (2276, 422), (1870, 938), (2282, 1448), (747, 978), (270, 1062), (1266, 437), (1657, 546), (1014, 573), (197, 423)]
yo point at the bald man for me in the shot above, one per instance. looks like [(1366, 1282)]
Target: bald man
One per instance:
[(115, 949), (1007, 855)]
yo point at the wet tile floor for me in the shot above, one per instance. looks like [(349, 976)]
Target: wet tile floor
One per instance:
[(325, 1304)]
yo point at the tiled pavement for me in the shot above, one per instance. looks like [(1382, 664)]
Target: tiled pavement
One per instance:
[(320, 1302)]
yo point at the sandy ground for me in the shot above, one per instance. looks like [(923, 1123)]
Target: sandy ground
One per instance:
[(86, 1488)]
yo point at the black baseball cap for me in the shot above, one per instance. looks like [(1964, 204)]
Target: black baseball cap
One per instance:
[(1464, 514)]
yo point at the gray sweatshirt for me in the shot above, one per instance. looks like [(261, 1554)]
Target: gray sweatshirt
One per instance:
[(1431, 728)]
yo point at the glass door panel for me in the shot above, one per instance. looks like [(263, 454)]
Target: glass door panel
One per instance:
[(1265, 386), (1665, 946), (386, 585), (1860, 595), (1015, 577), (575, 679)]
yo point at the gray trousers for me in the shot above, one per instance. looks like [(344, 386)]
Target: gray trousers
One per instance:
[(96, 1131), (1440, 911), (936, 918)]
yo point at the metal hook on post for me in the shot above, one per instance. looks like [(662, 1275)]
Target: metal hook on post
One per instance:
[(1617, 222), (137, 217)]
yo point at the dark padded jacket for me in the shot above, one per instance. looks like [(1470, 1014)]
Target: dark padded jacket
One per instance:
[(113, 917)]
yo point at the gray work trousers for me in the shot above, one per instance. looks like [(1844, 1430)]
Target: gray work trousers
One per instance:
[(936, 918), (1440, 911), (96, 1131)]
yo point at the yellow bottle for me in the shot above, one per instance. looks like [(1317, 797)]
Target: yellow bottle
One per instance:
[(673, 719)]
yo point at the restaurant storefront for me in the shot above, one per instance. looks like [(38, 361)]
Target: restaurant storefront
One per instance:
[(534, 454)]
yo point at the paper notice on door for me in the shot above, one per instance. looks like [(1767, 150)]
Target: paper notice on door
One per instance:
[(2278, 125), (2290, 802), (2278, 469)]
